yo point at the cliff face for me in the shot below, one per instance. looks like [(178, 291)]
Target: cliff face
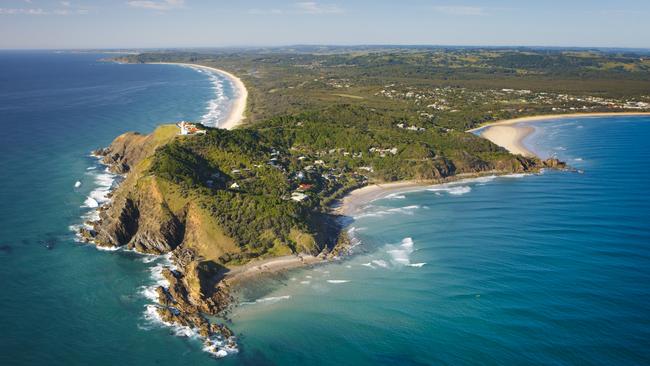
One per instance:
[(145, 217), (138, 216)]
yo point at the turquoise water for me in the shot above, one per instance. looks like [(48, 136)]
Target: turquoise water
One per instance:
[(544, 269)]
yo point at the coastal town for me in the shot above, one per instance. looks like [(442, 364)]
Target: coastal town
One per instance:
[(452, 100)]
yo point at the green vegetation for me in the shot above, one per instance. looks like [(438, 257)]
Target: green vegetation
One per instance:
[(456, 88), (324, 121)]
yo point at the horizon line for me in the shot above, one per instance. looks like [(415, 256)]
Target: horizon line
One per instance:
[(378, 45)]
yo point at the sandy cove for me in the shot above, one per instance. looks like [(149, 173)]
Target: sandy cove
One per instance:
[(262, 268), (510, 133), (236, 116)]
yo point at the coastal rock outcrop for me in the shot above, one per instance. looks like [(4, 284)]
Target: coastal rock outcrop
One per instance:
[(553, 163), (139, 217)]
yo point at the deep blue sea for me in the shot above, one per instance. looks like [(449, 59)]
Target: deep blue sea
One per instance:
[(549, 269)]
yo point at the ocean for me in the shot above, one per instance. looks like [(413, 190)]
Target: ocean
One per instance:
[(551, 268)]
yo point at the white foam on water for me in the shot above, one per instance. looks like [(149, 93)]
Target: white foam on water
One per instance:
[(400, 254), (354, 239), (149, 291), (407, 210), (380, 263), (578, 159), (268, 300), (77, 184), (453, 190), (217, 346), (396, 196), (418, 265), (104, 182), (149, 258), (457, 191), (305, 282), (90, 202), (338, 281), (486, 179), (215, 109), (369, 264), (517, 175), (107, 249)]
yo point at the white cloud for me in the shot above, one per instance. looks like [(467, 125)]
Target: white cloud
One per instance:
[(459, 10), (157, 5), (312, 7), (25, 11), (67, 4), (68, 10), (266, 11), (303, 7)]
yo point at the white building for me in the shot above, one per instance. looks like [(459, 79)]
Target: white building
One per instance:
[(188, 128), (298, 197)]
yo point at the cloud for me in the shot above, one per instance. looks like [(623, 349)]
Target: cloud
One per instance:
[(24, 11), (303, 7), (67, 9), (459, 10), (312, 7), (266, 11), (157, 5), (70, 12)]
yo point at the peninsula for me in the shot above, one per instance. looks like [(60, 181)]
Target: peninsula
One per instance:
[(231, 203)]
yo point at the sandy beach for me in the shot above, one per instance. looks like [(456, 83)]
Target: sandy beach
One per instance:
[(264, 267), (510, 136), (511, 133), (236, 115), (355, 200)]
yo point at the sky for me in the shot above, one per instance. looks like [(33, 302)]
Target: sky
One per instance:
[(55, 24)]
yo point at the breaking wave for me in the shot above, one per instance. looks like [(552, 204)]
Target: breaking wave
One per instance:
[(216, 345), (269, 300), (453, 190), (217, 107), (407, 210), (395, 196)]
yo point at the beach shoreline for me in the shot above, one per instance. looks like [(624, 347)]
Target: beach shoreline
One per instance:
[(511, 133), (505, 133), (236, 115), (352, 203), (262, 268)]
